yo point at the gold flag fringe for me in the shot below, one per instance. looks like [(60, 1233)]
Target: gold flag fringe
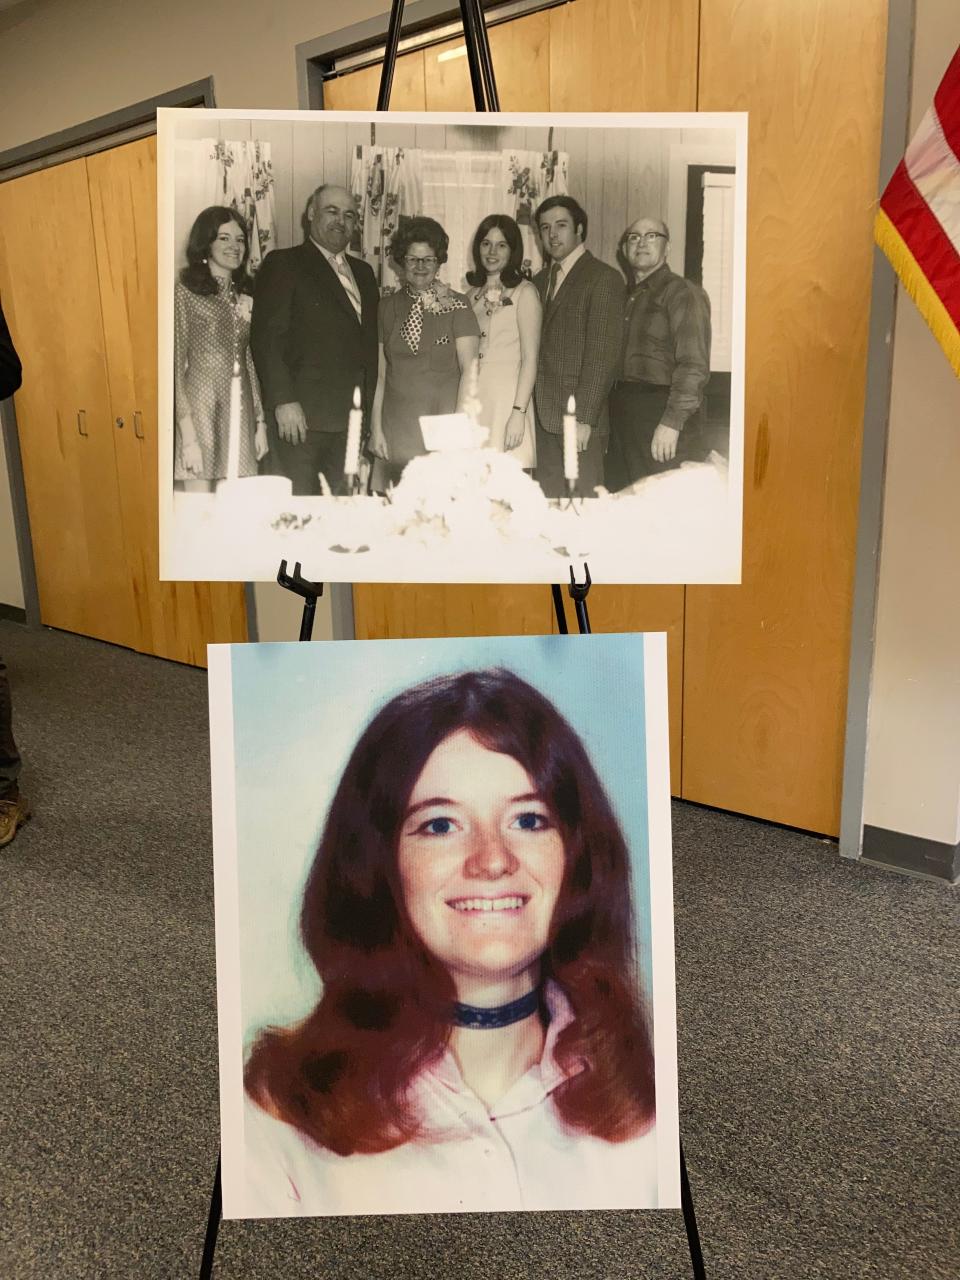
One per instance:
[(919, 287)]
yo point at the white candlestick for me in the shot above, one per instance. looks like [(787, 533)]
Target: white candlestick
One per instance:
[(471, 401), (571, 463), (233, 438), (351, 463)]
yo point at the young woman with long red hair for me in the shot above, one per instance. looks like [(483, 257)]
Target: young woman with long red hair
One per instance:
[(480, 1042)]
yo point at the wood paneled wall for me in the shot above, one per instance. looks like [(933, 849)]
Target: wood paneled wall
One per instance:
[(594, 55), (758, 672)]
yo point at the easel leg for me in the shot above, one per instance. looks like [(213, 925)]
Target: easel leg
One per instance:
[(390, 55), (690, 1221), (485, 96), (213, 1226), (578, 594), (306, 621), (310, 592), (558, 609)]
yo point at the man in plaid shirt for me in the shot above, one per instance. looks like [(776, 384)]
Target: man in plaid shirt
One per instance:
[(655, 407)]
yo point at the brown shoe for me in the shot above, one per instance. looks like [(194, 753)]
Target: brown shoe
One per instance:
[(12, 813)]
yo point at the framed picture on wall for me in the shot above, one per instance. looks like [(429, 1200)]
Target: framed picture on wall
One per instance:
[(444, 917), (471, 348)]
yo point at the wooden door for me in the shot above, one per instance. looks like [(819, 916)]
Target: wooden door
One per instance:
[(766, 662), (174, 619), (48, 280), (758, 672), (631, 55), (538, 69)]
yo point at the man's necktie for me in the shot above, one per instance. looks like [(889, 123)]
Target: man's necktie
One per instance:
[(554, 277), (349, 288)]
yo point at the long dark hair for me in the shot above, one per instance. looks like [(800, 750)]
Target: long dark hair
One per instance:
[(196, 275), (341, 1075), (512, 273)]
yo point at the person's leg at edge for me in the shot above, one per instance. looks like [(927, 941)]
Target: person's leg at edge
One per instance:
[(13, 808)]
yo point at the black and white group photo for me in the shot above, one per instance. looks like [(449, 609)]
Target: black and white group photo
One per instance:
[(397, 349)]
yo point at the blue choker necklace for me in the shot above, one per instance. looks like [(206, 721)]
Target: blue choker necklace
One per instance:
[(504, 1015)]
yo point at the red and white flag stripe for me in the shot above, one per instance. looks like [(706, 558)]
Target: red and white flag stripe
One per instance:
[(918, 222)]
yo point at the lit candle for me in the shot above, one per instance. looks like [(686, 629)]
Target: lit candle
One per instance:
[(351, 463), (233, 439), (571, 463), (471, 401)]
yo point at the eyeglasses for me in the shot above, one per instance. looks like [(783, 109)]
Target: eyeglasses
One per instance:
[(347, 215), (419, 262), (643, 237)]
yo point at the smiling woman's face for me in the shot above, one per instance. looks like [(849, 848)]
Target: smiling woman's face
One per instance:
[(227, 249), (494, 251), (481, 863), (421, 265)]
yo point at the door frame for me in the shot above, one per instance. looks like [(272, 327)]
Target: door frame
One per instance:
[(101, 133), (127, 124), (425, 22), (876, 427)]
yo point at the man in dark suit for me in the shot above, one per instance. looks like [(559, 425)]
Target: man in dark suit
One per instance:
[(314, 338), (579, 347)]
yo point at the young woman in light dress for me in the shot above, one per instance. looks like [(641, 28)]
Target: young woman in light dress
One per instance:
[(510, 316)]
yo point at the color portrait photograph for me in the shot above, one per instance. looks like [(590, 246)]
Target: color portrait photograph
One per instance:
[(444, 926), (403, 347)]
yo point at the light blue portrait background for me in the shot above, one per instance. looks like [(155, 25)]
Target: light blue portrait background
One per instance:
[(298, 711)]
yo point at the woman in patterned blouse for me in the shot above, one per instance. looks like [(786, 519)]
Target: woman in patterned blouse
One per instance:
[(429, 338), (212, 308)]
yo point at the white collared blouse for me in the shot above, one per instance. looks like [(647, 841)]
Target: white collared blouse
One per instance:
[(519, 1155)]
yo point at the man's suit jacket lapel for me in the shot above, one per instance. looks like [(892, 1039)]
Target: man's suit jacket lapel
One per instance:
[(564, 294), (326, 278)]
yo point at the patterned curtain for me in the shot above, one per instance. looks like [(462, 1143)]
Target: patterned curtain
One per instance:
[(245, 181), (236, 174), (528, 178), (386, 183)]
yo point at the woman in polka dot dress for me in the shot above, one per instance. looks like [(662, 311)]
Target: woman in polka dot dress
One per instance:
[(212, 308)]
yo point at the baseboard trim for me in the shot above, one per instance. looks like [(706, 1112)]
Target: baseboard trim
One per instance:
[(913, 854), (12, 613)]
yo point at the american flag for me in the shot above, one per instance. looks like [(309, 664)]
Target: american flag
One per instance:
[(918, 222)]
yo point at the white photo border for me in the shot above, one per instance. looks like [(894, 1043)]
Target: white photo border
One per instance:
[(722, 561)]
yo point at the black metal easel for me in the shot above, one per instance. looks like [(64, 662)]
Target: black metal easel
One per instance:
[(485, 98), (310, 591)]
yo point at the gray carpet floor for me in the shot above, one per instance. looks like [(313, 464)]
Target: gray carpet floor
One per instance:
[(817, 1024)]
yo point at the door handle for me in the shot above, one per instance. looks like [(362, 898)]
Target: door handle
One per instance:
[(82, 422), (138, 424)]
